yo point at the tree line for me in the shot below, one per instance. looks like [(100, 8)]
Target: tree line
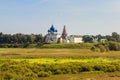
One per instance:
[(97, 38), (20, 38)]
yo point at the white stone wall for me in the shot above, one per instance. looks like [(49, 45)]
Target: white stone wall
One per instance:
[(76, 39)]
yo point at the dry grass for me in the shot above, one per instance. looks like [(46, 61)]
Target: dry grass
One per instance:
[(86, 76), (55, 53)]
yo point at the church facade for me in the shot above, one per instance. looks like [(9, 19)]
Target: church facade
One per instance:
[(54, 37)]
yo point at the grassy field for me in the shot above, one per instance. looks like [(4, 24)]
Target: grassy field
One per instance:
[(68, 64), (12, 53)]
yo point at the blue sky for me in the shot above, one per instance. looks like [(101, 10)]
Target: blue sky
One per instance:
[(80, 16)]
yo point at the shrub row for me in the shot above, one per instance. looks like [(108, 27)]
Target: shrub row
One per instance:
[(103, 47), (42, 45), (29, 71), (17, 45), (69, 45), (27, 45)]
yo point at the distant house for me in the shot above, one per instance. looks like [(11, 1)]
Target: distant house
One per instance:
[(75, 39)]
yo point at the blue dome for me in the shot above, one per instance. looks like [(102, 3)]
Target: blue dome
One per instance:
[(52, 29)]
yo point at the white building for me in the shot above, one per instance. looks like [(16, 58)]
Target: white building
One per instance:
[(74, 39)]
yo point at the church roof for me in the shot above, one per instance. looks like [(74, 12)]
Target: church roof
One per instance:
[(52, 29)]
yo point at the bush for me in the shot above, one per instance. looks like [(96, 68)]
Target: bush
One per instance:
[(85, 67), (58, 71), (114, 46), (5, 67), (8, 76), (43, 74), (30, 74), (102, 48), (93, 48), (39, 45)]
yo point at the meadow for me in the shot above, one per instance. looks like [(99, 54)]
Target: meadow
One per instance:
[(51, 64), (33, 53)]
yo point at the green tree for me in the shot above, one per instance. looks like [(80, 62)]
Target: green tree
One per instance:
[(116, 36)]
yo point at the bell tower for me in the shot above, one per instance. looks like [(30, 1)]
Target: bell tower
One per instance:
[(64, 33)]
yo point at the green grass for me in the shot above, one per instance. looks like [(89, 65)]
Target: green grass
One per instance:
[(69, 45)]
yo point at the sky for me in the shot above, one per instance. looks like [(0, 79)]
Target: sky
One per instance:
[(81, 17)]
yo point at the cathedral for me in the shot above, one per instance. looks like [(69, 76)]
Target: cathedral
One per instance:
[(54, 37)]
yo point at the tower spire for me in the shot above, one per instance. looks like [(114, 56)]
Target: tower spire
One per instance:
[(64, 33)]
